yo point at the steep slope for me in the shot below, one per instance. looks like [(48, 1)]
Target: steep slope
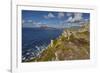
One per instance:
[(71, 45)]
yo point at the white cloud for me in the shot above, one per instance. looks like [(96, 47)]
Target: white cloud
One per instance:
[(36, 24), (69, 14), (30, 21), (27, 21), (69, 19), (50, 15), (77, 18), (60, 14)]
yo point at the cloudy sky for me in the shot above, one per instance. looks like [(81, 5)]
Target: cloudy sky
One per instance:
[(53, 19)]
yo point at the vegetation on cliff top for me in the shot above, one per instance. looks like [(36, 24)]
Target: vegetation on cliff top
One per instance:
[(73, 44)]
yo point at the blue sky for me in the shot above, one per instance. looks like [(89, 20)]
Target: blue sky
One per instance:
[(53, 19)]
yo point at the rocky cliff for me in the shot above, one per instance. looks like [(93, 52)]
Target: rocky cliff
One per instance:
[(73, 44)]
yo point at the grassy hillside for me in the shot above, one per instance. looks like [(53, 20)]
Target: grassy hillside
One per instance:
[(73, 44)]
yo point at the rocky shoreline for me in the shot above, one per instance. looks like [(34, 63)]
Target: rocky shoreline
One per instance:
[(71, 45)]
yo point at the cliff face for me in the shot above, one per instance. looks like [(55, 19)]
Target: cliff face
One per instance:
[(71, 45)]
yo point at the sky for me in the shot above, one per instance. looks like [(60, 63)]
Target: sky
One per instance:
[(32, 19)]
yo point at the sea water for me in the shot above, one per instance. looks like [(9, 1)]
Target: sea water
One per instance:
[(35, 40)]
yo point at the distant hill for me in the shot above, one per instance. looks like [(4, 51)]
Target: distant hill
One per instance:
[(47, 27), (44, 26)]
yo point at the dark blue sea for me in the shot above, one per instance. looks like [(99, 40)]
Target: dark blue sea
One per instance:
[(36, 39)]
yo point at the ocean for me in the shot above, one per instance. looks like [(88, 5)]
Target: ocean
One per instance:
[(35, 40)]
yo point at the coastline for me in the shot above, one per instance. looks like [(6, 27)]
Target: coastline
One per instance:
[(77, 48)]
